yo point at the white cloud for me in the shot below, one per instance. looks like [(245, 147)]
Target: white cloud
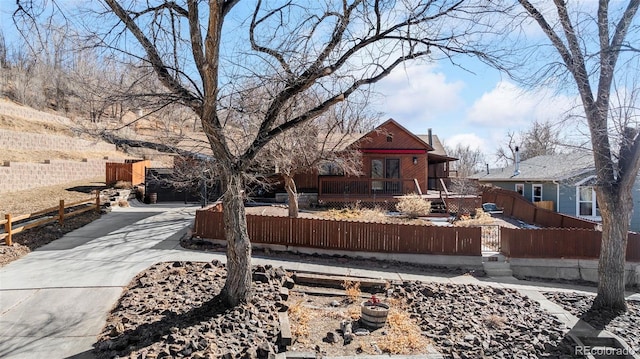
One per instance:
[(510, 106), (418, 94), (466, 139)]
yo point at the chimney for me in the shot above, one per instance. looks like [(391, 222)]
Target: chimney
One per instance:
[(517, 169), (487, 168), (430, 137)]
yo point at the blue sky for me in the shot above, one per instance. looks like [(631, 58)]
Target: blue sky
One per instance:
[(475, 107)]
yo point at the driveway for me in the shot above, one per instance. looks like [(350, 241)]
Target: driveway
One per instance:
[(54, 301)]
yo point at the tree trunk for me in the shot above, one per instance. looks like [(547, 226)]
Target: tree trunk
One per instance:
[(615, 210), (237, 288), (290, 187)]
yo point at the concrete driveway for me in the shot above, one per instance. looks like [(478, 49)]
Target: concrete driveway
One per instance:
[(54, 301)]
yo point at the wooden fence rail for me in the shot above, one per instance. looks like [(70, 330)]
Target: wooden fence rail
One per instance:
[(349, 235), (514, 205), (9, 220), (560, 243)]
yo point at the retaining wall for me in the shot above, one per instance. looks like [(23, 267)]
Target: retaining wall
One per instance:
[(568, 269), (17, 176), (9, 108), (44, 142)]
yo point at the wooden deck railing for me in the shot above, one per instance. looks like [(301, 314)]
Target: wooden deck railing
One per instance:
[(349, 235), (366, 187), (39, 220)]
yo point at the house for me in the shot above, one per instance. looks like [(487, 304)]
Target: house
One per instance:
[(395, 162), (567, 180)]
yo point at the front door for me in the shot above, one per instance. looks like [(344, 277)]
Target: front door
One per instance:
[(392, 171), (387, 169)]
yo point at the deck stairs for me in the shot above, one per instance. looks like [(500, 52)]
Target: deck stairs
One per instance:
[(438, 206), (495, 264)]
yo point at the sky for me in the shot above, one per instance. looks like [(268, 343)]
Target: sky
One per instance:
[(475, 107)]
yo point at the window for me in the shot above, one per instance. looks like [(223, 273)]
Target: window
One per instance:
[(327, 168), (377, 171), (587, 202), (389, 138), (520, 188), (536, 193)]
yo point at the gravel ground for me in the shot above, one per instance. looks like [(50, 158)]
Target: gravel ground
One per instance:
[(27, 241), (625, 326), (172, 310)]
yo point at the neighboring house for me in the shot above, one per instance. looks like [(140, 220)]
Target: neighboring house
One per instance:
[(565, 179), (394, 162)]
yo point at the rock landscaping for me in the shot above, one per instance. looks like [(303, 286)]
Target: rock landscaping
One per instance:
[(625, 325), (173, 310)]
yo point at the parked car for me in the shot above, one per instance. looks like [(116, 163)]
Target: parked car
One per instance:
[(491, 208)]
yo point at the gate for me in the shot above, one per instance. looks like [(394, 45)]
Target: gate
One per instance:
[(490, 238)]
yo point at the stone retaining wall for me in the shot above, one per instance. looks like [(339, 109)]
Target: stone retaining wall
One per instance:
[(17, 176), (9, 108), (44, 142)]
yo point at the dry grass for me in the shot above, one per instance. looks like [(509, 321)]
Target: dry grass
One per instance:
[(123, 203), (481, 218), (41, 156), (494, 321), (356, 213), (413, 206), (354, 312), (353, 290), (123, 185), (33, 200), (404, 336), (300, 317)]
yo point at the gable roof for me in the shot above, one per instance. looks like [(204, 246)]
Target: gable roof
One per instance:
[(558, 167), (390, 126), (438, 147)]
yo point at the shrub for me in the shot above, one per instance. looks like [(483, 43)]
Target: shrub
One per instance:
[(123, 185), (413, 206)]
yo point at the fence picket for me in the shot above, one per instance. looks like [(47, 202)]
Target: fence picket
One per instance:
[(348, 235)]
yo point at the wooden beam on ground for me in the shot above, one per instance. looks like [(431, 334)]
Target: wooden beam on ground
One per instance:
[(285, 329), (335, 281)]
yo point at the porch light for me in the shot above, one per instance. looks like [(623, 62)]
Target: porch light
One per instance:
[(415, 160)]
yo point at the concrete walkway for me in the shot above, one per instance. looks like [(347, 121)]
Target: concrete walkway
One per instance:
[(54, 301)]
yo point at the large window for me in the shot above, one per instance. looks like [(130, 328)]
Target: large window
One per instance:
[(536, 193), (377, 171), (587, 202)]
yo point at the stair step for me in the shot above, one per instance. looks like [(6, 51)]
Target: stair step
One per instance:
[(499, 273)]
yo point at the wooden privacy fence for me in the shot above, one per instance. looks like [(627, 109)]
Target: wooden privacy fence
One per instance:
[(559, 243), (349, 235), (514, 205), (128, 172), (40, 218)]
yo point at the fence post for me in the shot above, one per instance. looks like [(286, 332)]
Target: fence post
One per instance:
[(7, 228), (97, 200), (61, 212)]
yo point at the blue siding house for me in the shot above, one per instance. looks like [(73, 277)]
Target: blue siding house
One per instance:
[(566, 179)]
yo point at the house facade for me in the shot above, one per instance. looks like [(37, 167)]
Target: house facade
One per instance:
[(395, 162), (568, 180)]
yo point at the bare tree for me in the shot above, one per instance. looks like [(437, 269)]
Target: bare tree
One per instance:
[(331, 48), (538, 140), (594, 49), (311, 149), (469, 160)]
